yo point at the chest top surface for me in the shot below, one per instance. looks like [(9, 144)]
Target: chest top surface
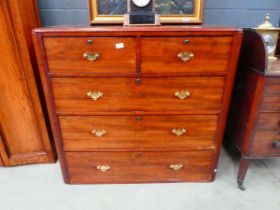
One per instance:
[(142, 30)]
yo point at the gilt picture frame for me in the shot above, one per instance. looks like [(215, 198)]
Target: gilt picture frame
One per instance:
[(171, 11)]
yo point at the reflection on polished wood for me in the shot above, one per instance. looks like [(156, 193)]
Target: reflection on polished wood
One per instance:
[(127, 132)]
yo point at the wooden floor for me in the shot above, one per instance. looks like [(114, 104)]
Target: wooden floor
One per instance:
[(41, 187)]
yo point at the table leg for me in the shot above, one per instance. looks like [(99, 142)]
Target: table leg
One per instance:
[(243, 168)]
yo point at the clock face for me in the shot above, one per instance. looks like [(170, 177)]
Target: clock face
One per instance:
[(141, 3), (270, 43)]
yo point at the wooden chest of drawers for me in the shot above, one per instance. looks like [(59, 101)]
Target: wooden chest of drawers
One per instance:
[(138, 104), (254, 119)]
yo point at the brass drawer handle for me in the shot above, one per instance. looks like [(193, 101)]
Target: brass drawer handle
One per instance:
[(276, 144), (95, 95), (185, 56), (91, 56), (179, 131), (99, 133), (103, 168), (176, 166), (182, 94)]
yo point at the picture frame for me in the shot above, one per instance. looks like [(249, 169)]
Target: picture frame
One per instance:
[(110, 12)]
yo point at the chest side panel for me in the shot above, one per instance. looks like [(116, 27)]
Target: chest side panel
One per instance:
[(244, 108)]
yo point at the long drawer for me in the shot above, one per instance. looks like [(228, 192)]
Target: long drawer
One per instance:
[(115, 133), (133, 167), (91, 54), (179, 94), (185, 54)]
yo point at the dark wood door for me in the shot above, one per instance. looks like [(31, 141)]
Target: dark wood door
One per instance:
[(25, 138)]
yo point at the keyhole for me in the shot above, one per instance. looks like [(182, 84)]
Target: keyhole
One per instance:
[(186, 41), (89, 42), (138, 81), (138, 118), (138, 155)]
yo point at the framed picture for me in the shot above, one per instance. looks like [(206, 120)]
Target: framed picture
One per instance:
[(171, 11)]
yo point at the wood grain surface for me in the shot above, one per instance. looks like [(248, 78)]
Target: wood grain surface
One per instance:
[(133, 167), (263, 143), (270, 104), (65, 54), (160, 55), (23, 126), (269, 121), (272, 86), (137, 132), (123, 94)]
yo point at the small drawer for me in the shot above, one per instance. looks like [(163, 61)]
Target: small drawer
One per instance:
[(271, 100), (272, 87), (271, 103), (269, 122), (105, 55), (266, 143), (267, 137), (185, 54), (133, 167), (99, 133), (175, 94)]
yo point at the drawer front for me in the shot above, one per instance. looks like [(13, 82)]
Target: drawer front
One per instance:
[(269, 122), (267, 138), (272, 86), (133, 167), (189, 94), (70, 55), (113, 133), (271, 103), (266, 143), (271, 100), (202, 54)]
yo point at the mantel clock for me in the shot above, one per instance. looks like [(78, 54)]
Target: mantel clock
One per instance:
[(141, 12)]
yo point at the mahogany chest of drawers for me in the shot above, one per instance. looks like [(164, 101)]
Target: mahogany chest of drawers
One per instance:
[(138, 104), (254, 119)]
